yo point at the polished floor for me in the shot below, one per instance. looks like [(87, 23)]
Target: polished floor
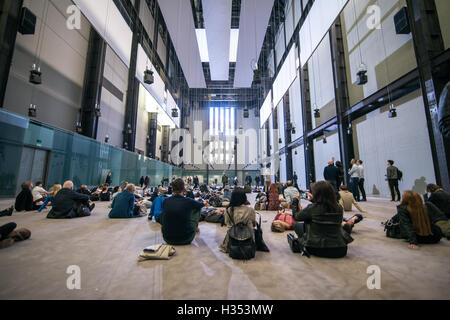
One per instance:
[(106, 252)]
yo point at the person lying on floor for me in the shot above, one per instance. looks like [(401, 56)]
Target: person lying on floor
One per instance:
[(414, 221), (70, 204), (238, 212), (124, 204), (180, 216), (9, 234), (322, 228), (347, 200), (24, 200)]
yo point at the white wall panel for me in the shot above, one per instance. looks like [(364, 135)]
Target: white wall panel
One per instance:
[(266, 109), (403, 139), (295, 105), (298, 165), (319, 20), (324, 152), (281, 129), (285, 77), (109, 23)]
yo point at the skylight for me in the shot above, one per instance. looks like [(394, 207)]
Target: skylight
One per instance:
[(203, 44)]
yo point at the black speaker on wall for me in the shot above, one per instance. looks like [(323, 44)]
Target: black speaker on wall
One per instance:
[(401, 22), (27, 22)]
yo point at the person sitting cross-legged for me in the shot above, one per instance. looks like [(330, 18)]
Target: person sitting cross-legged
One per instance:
[(180, 216), (70, 204), (347, 200), (123, 205)]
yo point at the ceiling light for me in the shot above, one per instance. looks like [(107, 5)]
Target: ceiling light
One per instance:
[(106, 138), (35, 75), (78, 127), (361, 76), (392, 111), (324, 140), (32, 110), (316, 112), (148, 76)]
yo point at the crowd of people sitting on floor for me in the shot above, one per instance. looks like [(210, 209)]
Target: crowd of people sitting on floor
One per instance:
[(320, 228)]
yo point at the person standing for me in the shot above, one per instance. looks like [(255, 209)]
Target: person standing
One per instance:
[(224, 180), (248, 179), (340, 168), (141, 181), (354, 179), (196, 182), (295, 179), (392, 176), (147, 181), (331, 173), (361, 180), (108, 179), (235, 181), (257, 180)]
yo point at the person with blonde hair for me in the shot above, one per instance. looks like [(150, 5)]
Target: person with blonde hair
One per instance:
[(51, 195), (69, 204), (124, 204), (414, 221)]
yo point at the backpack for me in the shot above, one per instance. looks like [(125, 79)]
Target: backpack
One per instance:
[(241, 245), (399, 174)]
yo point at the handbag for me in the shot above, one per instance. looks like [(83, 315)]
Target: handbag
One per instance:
[(260, 244), (82, 211), (392, 228)]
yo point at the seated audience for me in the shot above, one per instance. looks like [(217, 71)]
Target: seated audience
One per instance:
[(274, 199), (414, 220), (156, 209), (9, 234), (104, 194), (70, 204), (116, 191), (290, 192), (39, 193), (346, 200), (439, 198), (51, 196), (84, 190), (321, 228), (24, 200), (438, 218), (124, 206), (238, 212), (180, 216)]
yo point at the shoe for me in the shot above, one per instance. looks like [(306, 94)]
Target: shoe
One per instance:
[(10, 211), (360, 218), (5, 243), (91, 207)]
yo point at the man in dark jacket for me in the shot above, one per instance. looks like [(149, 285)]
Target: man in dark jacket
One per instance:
[(180, 216), (331, 174), (438, 218), (68, 202), (248, 179), (392, 176), (439, 198)]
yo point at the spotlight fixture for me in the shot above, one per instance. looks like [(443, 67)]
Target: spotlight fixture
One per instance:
[(296, 153), (125, 145), (97, 111), (293, 130), (106, 138), (32, 110), (246, 113), (316, 112), (392, 111), (129, 131), (349, 129), (325, 140), (174, 113), (35, 75), (256, 73), (78, 127), (148, 77), (148, 139), (361, 75), (280, 141)]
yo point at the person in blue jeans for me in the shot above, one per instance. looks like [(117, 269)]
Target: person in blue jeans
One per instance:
[(51, 196), (354, 179)]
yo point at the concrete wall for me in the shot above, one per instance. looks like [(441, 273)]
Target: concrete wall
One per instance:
[(61, 54), (113, 109), (403, 139), (387, 55), (324, 152)]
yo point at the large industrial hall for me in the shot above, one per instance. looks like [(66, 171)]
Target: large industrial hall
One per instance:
[(224, 150)]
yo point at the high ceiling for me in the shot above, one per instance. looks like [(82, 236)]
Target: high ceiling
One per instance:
[(217, 17)]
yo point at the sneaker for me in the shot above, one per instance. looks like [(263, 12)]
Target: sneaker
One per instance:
[(91, 207)]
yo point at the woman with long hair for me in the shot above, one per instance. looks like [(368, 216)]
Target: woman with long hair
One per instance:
[(274, 198), (415, 224), (320, 228), (238, 212)]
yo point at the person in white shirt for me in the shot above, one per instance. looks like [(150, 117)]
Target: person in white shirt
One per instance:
[(354, 179), (38, 192), (361, 180)]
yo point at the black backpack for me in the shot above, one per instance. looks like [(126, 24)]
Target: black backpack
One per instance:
[(399, 174), (241, 245)]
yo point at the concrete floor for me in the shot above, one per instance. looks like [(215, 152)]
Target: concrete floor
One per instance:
[(106, 252)]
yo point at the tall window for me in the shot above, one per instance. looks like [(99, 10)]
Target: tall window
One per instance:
[(221, 134)]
